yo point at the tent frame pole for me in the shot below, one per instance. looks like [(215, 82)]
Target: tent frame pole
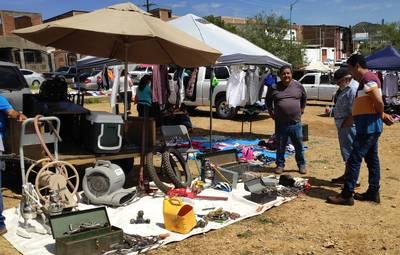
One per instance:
[(211, 104)]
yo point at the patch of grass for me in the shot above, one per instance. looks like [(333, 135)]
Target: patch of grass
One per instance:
[(313, 142), (320, 161), (246, 234), (92, 100), (245, 252), (266, 220)]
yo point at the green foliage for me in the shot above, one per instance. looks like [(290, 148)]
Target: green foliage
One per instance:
[(266, 220), (246, 234), (391, 33), (219, 22), (268, 32), (380, 36), (92, 100)]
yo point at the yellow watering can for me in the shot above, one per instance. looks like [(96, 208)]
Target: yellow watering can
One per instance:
[(178, 216)]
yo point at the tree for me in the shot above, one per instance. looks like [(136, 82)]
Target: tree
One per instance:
[(217, 20), (268, 32), (380, 36), (391, 34)]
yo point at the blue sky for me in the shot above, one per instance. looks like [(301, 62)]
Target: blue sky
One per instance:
[(338, 12)]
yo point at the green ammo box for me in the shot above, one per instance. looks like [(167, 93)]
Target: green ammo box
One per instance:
[(89, 242)]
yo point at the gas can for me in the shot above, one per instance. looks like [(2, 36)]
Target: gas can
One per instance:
[(178, 216)]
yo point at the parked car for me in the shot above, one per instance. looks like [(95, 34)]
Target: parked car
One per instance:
[(89, 80), (319, 86), (33, 78), (202, 92), (140, 71), (13, 84), (69, 72)]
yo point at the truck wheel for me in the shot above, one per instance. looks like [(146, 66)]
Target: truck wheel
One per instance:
[(36, 84), (223, 110)]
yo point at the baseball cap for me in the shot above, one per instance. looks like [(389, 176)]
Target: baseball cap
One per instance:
[(341, 73)]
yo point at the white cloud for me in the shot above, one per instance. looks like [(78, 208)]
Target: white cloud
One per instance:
[(216, 5), (206, 8), (180, 4)]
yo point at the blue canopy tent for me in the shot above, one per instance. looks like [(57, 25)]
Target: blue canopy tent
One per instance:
[(387, 58)]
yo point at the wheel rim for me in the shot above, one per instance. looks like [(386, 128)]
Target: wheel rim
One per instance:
[(224, 109)]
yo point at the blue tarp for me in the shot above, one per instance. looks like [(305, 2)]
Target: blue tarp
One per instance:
[(386, 59)]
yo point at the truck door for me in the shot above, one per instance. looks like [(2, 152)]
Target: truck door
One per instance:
[(310, 84), (326, 89)]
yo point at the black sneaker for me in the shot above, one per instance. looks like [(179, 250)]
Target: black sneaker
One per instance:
[(339, 199), (368, 196), (303, 169), (278, 170)]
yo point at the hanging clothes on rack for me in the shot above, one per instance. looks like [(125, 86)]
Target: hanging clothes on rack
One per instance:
[(236, 87), (390, 84), (191, 85), (173, 97), (253, 84), (160, 84)]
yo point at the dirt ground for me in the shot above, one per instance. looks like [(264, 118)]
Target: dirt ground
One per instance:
[(306, 225)]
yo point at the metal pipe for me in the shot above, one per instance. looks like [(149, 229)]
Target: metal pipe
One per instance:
[(126, 83)]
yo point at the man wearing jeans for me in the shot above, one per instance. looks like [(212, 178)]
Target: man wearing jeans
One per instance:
[(367, 116), (344, 99), (6, 110), (286, 102)]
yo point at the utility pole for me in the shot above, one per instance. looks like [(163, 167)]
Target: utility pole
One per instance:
[(147, 5), (290, 29)]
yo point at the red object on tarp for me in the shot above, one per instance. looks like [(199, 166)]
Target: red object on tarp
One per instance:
[(183, 192)]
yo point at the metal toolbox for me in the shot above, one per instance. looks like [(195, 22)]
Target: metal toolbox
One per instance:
[(74, 235), (228, 164)]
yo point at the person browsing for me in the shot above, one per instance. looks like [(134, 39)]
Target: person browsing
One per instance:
[(143, 96), (6, 111)]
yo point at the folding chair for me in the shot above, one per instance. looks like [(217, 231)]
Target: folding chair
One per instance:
[(174, 131)]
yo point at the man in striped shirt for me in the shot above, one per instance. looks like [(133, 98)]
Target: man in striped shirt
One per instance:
[(368, 116)]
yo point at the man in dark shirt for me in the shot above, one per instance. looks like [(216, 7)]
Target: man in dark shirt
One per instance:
[(286, 102)]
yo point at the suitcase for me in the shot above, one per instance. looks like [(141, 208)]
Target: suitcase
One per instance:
[(89, 242)]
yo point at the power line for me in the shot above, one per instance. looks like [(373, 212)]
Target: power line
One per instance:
[(147, 5)]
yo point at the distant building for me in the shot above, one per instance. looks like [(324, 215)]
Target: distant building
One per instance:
[(162, 13), (235, 21), (18, 50), (333, 42), (61, 57), (64, 15)]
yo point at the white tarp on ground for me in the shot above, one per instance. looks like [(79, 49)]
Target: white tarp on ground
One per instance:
[(152, 207), (234, 49)]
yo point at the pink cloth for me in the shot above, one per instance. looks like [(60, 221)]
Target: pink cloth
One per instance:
[(160, 84)]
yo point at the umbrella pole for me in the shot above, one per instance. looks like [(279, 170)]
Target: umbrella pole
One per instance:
[(211, 103), (126, 84)]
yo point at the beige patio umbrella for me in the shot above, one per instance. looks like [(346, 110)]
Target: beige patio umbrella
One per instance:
[(123, 31)]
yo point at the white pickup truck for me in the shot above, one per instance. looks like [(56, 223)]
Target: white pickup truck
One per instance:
[(202, 92), (318, 86)]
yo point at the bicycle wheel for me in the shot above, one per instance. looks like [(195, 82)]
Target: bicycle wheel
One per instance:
[(156, 165), (177, 168)]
